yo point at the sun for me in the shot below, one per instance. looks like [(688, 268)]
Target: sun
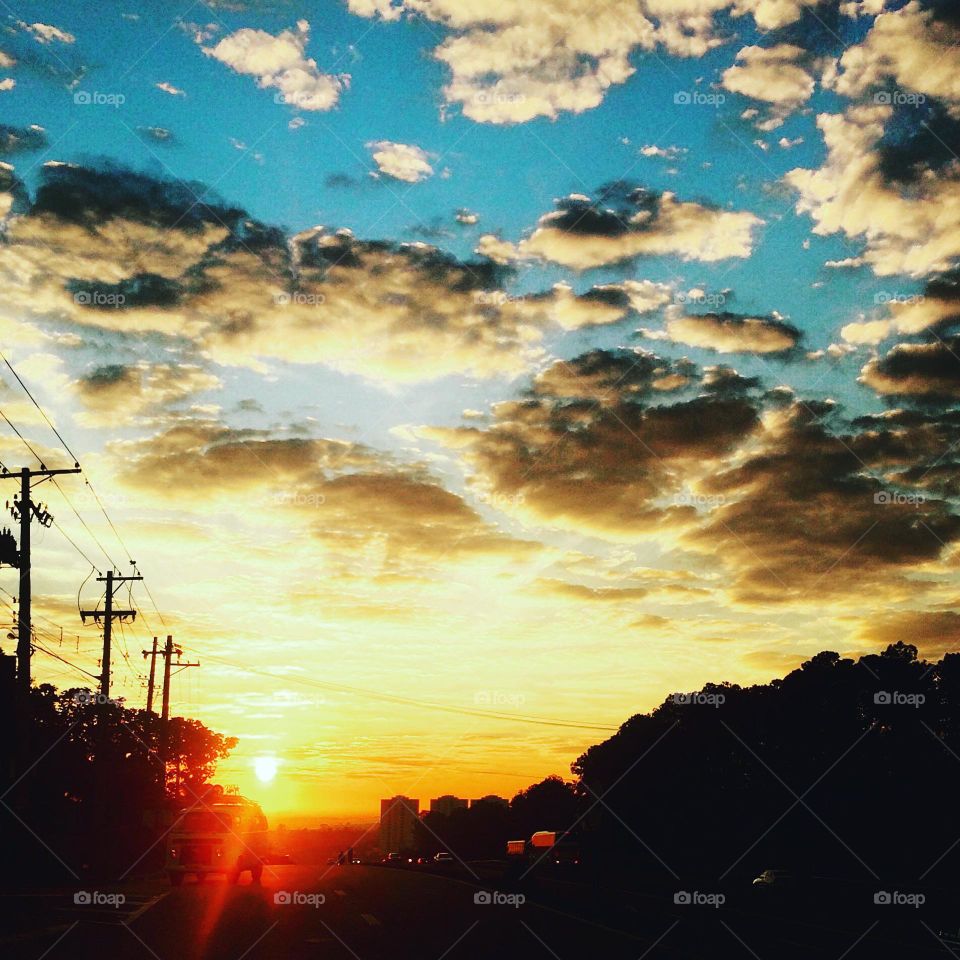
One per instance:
[(265, 768)]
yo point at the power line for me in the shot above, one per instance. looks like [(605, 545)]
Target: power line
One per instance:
[(26, 443), (410, 701), (43, 413)]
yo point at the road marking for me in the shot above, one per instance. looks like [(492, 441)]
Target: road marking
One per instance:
[(371, 919), (142, 910)]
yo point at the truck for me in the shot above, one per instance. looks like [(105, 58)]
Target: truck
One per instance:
[(555, 847), (228, 836)]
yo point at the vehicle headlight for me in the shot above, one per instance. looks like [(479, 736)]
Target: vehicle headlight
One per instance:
[(174, 853)]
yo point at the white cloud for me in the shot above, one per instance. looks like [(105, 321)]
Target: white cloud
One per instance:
[(402, 161), (279, 62), (913, 230), (170, 88), (771, 74), (45, 33), (7, 83)]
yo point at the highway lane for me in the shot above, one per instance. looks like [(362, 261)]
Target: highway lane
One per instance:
[(305, 912)]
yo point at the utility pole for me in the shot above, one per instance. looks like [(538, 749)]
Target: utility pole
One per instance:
[(108, 615), (24, 510), (153, 673), (168, 653)]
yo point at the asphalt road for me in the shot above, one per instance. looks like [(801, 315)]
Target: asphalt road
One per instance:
[(376, 913)]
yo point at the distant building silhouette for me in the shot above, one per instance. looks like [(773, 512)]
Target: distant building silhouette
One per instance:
[(493, 799), (398, 819), (447, 804)]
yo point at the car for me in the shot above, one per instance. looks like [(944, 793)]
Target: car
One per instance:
[(393, 858), (226, 837), (443, 857)]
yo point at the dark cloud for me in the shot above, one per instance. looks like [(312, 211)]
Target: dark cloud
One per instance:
[(928, 371), (21, 139)]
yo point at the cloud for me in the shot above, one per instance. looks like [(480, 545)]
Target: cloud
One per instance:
[(21, 139), (906, 228), (170, 88), (772, 74), (114, 250), (933, 632), (467, 217), (801, 517), (591, 449), (911, 46), (279, 63), (928, 370), (122, 393), (344, 496), (402, 161), (7, 83), (627, 222), (157, 135), (733, 333), (45, 33)]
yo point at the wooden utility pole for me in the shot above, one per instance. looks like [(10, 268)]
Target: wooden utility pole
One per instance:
[(108, 615), (168, 653), (152, 654), (25, 510)]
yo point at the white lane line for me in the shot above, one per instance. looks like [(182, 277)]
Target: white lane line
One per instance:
[(142, 910), (371, 919)]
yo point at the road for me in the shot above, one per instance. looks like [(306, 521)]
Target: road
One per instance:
[(375, 913)]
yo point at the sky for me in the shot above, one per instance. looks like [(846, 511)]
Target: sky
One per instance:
[(464, 377)]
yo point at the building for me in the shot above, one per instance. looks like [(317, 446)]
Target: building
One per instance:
[(398, 819), (447, 804), (491, 798)]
